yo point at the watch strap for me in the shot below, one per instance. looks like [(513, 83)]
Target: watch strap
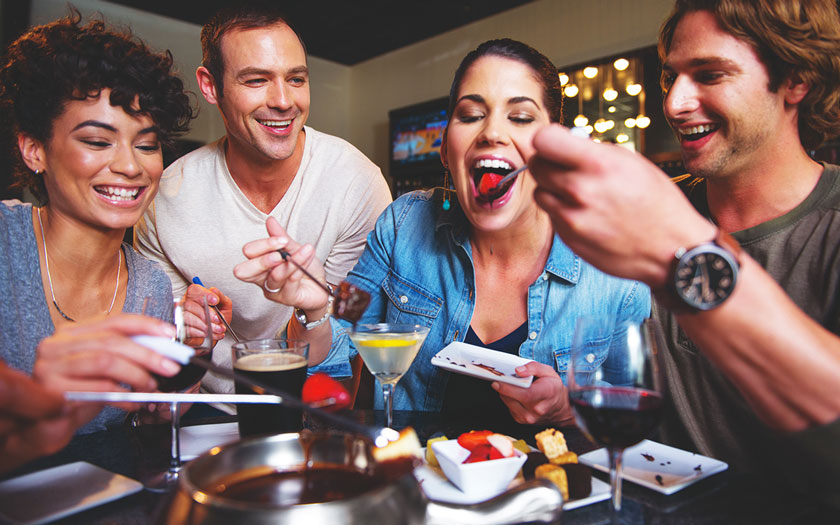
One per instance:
[(300, 315)]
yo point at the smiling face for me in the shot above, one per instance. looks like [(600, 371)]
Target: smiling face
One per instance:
[(266, 91), (499, 107), (102, 166), (717, 99)]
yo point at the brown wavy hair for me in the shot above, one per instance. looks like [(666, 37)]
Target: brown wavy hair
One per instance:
[(55, 63), (792, 38)]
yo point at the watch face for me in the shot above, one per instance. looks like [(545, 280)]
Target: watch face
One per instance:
[(705, 276)]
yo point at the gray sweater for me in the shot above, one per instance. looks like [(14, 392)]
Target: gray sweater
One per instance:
[(24, 312)]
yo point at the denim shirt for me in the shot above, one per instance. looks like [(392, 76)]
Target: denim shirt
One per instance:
[(418, 268)]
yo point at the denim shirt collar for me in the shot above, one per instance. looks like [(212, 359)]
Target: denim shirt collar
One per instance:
[(562, 261)]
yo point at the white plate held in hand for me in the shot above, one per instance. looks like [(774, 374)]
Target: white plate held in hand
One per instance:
[(482, 363)]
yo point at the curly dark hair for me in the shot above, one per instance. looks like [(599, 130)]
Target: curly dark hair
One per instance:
[(544, 71), (53, 64)]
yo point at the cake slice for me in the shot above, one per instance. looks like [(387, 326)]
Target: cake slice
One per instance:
[(573, 479), (552, 443)]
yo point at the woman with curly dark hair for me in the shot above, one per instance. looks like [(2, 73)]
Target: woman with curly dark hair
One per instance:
[(91, 109)]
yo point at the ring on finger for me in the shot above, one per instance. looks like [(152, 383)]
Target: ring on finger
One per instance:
[(270, 290)]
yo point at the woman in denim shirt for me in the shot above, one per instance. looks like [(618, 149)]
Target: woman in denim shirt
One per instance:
[(485, 270)]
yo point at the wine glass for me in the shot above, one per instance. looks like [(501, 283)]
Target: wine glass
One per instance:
[(388, 349), (615, 385), (189, 375)]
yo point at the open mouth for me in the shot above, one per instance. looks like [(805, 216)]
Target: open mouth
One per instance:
[(276, 124), (697, 132), (486, 175), (116, 193)]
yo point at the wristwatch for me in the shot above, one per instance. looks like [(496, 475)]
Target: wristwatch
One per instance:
[(300, 315), (703, 277)]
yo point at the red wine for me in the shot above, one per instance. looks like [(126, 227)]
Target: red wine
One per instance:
[(617, 417), (188, 376)]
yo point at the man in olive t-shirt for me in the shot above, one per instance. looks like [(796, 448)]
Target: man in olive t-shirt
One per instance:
[(753, 364)]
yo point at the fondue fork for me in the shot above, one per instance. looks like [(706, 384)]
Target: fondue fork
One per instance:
[(509, 176), (179, 397), (497, 191), (349, 301), (186, 355), (288, 258), (230, 330)]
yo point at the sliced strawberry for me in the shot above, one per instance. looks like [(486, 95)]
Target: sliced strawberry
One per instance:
[(470, 440), (488, 182), (495, 454), (320, 387), (479, 453)]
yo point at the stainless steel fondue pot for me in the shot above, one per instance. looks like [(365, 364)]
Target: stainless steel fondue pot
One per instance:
[(401, 501)]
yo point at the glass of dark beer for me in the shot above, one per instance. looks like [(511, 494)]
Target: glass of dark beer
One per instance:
[(280, 363)]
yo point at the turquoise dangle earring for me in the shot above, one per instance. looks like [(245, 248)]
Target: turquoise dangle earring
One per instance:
[(447, 186), (446, 190)]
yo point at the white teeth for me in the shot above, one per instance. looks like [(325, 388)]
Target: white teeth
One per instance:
[(492, 163), (119, 194), (696, 129), (275, 123)]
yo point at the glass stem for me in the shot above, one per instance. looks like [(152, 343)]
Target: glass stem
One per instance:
[(615, 477), (388, 397), (175, 452)]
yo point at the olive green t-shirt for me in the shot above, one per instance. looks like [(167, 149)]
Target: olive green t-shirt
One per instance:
[(801, 251)]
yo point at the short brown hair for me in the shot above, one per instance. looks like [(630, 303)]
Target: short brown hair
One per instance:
[(791, 37), (245, 16)]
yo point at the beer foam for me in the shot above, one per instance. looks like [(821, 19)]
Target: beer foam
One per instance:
[(269, 362)]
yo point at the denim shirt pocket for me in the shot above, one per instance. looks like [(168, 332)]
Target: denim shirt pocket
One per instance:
[(408, 302), (596, 352)]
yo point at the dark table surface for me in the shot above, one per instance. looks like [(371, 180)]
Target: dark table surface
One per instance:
[(728, 497)]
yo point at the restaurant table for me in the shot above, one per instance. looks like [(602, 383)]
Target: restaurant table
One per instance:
[(728, 497)]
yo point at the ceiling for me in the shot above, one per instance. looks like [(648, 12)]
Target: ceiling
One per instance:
[(350, 31)]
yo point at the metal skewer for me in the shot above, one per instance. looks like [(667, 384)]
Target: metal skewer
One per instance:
[(185, 354), (287, 257), (178, 397), (230, 329), (509, 176), (380, 436)]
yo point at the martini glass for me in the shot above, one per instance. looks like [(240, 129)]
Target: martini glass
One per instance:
[(388, 349)]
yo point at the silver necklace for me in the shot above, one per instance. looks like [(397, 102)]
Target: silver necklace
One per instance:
[(49, 277)]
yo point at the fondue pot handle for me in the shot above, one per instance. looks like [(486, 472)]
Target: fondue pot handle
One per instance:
[(538, 501)]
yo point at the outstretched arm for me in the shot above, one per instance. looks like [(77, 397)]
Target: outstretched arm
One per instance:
[(33, 420), (623, 215)]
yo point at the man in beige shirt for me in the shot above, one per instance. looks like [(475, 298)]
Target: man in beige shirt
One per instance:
[(319, 188)]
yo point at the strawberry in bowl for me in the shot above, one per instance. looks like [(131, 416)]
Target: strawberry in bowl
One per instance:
[(479, 462)]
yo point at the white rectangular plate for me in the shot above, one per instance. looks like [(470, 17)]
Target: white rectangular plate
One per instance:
[(434, 483), (658, 467), (198, 439), (464, 359), (57, 492)]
